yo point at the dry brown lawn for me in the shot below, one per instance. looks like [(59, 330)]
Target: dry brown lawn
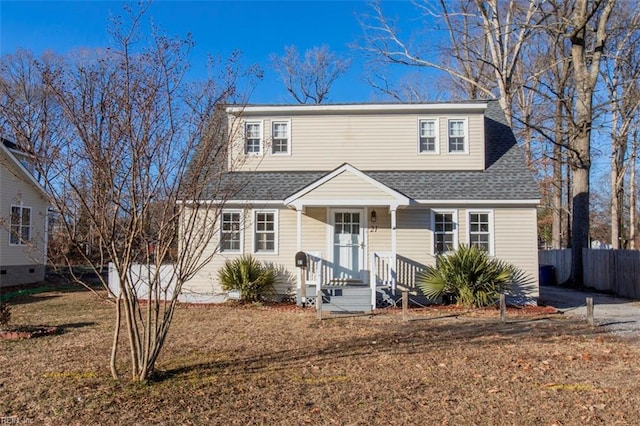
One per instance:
[(262, 365)]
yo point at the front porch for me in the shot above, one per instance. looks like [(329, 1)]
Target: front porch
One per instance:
[(348, 295), (354, 217)]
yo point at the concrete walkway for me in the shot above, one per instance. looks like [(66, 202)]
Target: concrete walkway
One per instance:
[(619, 316)]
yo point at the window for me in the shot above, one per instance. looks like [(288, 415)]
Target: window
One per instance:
[(480, 230), (428, 136), (265, 232), (280, 137), (444, 231), (458, 136), (253, 138), (231, 231), (20, 226)]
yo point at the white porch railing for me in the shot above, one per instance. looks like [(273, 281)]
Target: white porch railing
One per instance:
[(314, 268), (382, 272)]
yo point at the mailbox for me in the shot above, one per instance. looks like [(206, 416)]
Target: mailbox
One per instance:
[(301, 259)]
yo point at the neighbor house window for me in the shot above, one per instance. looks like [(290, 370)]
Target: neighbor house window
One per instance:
[(253, 137), (265, 232), (231, 231), (458, 136), (20, 226), (480, 230), (444, 231), (280, 137), (428, 136)]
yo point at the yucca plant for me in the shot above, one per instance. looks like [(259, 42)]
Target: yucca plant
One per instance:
[(470, 276), (252, 278)]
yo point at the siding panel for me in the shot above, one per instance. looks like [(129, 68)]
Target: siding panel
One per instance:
[(14, 190), (367, 141)]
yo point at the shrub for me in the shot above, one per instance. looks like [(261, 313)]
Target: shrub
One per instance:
[(252, 278), (5, 314), (470, 277)]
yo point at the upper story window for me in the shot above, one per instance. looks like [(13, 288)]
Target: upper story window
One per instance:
[(280, 135), (445, 231), (480, 230), (253, 137), (231, 231), (458, 138), (20, 226), (428, 142)]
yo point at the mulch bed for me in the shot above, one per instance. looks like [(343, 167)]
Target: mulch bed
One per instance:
[(29, 332)]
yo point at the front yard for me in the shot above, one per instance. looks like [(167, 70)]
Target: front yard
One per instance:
[(265, 365)]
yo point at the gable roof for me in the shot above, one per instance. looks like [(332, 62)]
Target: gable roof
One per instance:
[(5, 147), (506, 177), (367, 184)]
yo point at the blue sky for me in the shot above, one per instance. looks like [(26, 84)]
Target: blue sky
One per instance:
[(256, 28)]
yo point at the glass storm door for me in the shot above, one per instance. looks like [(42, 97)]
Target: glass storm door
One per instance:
[(348, 245)]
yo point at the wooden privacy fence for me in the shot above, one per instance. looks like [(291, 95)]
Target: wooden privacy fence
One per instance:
[(617, 271)]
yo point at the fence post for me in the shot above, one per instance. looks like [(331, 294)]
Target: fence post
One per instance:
[(405, 305), (503, 308), (590, 311), (319, 304)]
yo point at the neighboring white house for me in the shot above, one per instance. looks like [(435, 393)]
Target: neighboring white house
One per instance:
[(23, 219), (371, 193)]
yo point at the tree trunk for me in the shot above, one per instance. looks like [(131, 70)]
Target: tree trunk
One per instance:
[(556, 226), (615, 210), (586, 68), (116, 336), (580, 221), (632, 199)]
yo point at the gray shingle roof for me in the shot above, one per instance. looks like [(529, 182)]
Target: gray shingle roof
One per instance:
[(506, 176)]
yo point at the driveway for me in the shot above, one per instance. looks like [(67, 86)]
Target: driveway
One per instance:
[(617, 315)]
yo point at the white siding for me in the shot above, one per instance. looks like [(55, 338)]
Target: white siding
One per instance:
[(516, 240), (414, 241), (366, 141), (15, 190), (346, 186), (514, 236)]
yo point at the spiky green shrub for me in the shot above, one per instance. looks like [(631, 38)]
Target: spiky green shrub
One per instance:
[(252, 278), (470, 277)]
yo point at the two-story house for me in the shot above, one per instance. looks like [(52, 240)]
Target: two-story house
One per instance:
[(372, 193), (23, 219)]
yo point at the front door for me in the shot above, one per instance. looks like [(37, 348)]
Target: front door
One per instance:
[(348, 244)]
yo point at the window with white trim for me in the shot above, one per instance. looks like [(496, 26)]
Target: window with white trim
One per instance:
[(480, 230), (20, 225), (428, 132), (457, 131), (265, 231), (444, 231), (231, 231), (253, 137), (280, 138)]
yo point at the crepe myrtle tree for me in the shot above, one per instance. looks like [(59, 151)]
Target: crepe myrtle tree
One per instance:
[(143, 148)]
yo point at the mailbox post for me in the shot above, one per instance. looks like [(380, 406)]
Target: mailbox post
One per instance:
[(301, 262)]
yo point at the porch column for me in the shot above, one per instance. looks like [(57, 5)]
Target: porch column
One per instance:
[(394, 248), (299, 244), (299, 228)]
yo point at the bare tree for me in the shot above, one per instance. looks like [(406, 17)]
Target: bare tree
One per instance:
[(588, 33), (143, 155), (484, 46), (309, 79), (621, 75), (28, 112)]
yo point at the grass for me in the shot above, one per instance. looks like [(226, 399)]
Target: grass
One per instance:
[(262, 365)]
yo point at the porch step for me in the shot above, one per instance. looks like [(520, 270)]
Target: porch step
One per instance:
[(346, 299)]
